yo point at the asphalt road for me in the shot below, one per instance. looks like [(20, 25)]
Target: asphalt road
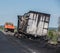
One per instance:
[(11, 44)]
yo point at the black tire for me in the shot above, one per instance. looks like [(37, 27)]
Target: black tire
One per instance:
[(16, 34)]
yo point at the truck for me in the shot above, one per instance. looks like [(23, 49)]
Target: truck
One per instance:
[(33, 25), (9, 27)]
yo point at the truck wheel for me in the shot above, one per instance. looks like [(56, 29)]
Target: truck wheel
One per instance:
[(19, 35), (16, 34)]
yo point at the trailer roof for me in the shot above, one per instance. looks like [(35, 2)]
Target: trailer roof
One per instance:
[(38, 13)]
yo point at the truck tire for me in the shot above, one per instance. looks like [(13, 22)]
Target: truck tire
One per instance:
[(16, 34)]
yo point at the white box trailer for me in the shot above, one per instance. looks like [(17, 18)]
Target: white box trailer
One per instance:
[(33, 24)]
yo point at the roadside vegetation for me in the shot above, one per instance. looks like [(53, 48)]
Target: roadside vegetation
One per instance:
[(1, 28), (53, 36)]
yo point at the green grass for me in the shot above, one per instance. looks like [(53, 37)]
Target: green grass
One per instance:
[(1, 28), (53, 36)]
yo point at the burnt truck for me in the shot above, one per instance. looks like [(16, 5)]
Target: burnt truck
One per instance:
[(33, 25)]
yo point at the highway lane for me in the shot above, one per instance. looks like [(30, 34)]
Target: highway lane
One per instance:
[(8, 45), (11, 44)]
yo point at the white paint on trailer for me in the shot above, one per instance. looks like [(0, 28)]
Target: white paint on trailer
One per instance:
[(36, 19), (47, 18), (34, 28), (30, 21), (43, 18), (46, 25), (42, 27), (32, 24), (31, 16), (44, 31)]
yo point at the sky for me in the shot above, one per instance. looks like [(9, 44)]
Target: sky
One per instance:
[(9, 9)]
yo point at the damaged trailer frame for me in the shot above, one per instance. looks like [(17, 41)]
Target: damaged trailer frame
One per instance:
[(33, 25)]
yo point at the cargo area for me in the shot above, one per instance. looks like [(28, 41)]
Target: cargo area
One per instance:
[(33, 24)]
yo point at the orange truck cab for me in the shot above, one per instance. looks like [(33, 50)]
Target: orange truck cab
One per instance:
[(9, 27)]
